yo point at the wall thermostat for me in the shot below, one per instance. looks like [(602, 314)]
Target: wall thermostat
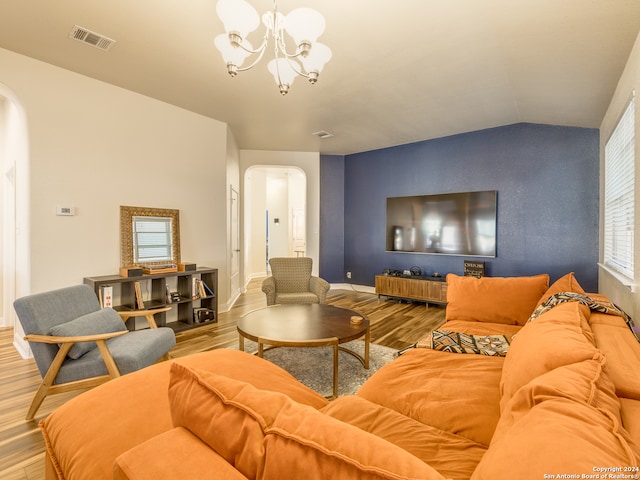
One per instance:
[(65, 211)]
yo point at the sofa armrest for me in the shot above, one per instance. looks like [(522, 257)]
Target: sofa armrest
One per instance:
[(320, 287), (269, 288), (190, 458)]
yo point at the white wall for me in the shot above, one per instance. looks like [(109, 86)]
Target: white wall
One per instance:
[(624, 296), (309, 162), (254, 224), (95, 147), (278, 208)]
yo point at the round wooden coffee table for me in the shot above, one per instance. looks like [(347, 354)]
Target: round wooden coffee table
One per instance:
[(305, 326)]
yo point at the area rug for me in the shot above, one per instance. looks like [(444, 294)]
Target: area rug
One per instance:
[(313, 366)]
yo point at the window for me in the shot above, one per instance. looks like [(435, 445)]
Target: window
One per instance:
[(619, 159), (152, 239)]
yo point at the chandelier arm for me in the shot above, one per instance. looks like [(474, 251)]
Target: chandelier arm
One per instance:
[(279, 48), (282, 47), (244, 69), (260, 49), (275, 51), (296, 66)]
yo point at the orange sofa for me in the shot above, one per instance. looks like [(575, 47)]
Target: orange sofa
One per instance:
[(565, 400)]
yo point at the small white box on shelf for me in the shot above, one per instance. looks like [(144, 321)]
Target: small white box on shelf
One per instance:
[(106, 296)]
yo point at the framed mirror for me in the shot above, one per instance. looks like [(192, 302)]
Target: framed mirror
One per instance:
[(149, 236)]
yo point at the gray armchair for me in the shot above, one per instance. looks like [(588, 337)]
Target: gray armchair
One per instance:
[(291, 282), (76, 344)]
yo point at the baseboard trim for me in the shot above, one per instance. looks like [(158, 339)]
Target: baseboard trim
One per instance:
[(22, 346), (354, 287)]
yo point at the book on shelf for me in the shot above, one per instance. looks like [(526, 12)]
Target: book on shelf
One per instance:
[(139, 299), (106, 296), (207, 289), (201, 291), (194, 288)]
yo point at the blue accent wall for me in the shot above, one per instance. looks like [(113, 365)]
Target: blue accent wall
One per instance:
[(547, 179), (331, 259)]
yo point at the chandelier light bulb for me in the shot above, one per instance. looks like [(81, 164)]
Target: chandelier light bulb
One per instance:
[(305, 25), (318, 57), (238, 16), (283, 74), (233, 56)]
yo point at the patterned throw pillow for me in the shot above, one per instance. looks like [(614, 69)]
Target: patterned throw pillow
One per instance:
[(455, 342)]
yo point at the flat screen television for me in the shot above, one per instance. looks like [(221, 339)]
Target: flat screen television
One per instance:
[(448, 223)]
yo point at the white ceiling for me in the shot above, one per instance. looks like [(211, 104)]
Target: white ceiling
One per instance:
[(402, 71)]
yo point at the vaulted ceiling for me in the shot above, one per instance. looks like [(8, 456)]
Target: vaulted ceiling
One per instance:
[(401, 71)]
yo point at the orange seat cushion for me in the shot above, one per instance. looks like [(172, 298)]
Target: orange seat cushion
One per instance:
[(189, 458), (509, 300), (441, 389), (309, 445), (453, 456)]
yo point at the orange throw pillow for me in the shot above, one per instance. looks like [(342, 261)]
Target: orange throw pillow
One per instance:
[(228, 415), (554, 339), (585, 382), (568, 283), (508, 300), (558, 436)]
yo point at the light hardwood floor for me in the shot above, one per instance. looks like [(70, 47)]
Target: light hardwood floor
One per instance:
[(393, 324)]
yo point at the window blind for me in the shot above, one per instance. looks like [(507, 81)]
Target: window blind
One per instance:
[(152, 239), (619, 173)]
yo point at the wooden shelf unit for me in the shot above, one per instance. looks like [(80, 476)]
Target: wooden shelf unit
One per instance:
[(421, 289), (158, 290)]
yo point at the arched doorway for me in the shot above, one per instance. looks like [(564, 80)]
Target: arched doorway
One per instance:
[(274, 215)]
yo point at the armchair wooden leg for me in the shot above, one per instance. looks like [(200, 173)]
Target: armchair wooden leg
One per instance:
[(48, 380), (39, 397), (109, 362)]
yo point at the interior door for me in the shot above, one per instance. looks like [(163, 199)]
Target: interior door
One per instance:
[(299, 232), (235, 242)]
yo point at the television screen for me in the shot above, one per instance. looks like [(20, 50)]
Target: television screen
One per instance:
[(449, 223)]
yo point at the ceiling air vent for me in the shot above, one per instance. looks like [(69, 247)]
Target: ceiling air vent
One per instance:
[(88, 37), (323, 134)]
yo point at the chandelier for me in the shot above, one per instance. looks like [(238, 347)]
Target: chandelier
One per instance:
[(303, 25)]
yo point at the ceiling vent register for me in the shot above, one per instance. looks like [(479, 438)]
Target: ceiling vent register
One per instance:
[(93, 39)]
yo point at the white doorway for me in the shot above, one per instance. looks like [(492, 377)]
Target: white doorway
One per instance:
[(274, 215), (14, 214)]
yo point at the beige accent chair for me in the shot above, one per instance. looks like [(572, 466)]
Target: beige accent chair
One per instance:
[(291, 282)]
